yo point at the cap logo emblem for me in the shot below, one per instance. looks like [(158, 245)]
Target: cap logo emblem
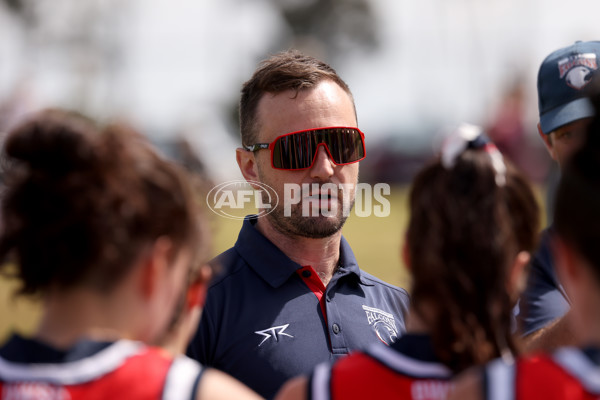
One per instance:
[(577, 70)]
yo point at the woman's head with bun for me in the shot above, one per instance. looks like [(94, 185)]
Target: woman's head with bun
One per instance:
[(472, 223), (85, 204)]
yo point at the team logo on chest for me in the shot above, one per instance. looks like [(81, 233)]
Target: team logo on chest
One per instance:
[(275, 332), (383, 324), (577, 70)]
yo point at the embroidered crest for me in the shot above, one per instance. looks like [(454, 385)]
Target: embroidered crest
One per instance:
[(383, 324), (577, 70)]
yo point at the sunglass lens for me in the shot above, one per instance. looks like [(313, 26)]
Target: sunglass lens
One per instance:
[(298, 150), (294, 151), (345, 145)]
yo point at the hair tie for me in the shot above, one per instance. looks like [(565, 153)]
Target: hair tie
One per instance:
[(468, 136)]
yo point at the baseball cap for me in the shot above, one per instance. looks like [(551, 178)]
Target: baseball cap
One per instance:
[(562, 79)]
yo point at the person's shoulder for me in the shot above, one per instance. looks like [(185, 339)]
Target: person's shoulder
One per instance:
[(183, 378), (294, 389), (227, 265), (217, 385), (383, 285)]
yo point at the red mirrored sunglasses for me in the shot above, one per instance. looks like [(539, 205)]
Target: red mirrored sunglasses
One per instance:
[(298, 150)]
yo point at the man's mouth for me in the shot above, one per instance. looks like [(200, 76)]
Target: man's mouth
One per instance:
[(321, 196)]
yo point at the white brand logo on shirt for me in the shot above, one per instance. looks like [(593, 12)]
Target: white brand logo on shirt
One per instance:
[(383, 323), (274, 332)]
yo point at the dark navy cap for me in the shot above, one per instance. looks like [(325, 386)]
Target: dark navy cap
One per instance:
[(562, 78)]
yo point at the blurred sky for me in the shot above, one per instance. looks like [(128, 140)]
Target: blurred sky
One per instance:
[(176, 66)]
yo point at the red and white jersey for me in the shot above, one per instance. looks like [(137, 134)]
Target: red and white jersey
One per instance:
[(119, 370), (380, 372), (567, 374)]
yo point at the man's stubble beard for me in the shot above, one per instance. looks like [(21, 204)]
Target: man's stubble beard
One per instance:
[(312, 227)]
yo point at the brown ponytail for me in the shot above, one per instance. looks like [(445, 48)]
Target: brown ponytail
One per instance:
[(464, 232)]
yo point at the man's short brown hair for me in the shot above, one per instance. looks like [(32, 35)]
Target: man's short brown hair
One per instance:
[(288, 70)]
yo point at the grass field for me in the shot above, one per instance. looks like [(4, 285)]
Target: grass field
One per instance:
[(376, 243)]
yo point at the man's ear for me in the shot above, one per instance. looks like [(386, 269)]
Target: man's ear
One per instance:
[(517, 275), (247, 164), (548, 142), (154, 264)]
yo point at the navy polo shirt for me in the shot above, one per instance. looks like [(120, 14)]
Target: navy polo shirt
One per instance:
[(263, 324), (544, 298)]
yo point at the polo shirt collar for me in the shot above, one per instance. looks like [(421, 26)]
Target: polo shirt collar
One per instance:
[(348, 263), (272, 265)]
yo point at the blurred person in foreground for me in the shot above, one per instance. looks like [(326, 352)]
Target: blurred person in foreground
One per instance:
[(292, 294), (567, 373), (466, 257), (105, 233), (565, 112)]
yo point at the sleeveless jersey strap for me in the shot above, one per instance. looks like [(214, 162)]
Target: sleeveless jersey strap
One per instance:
[(182, 379), (319, 384), (499, 381), (579, 366)]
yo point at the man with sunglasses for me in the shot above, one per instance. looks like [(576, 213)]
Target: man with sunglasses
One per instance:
[(291, 294)]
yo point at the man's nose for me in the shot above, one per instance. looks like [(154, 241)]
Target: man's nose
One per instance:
[(322, 167)]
